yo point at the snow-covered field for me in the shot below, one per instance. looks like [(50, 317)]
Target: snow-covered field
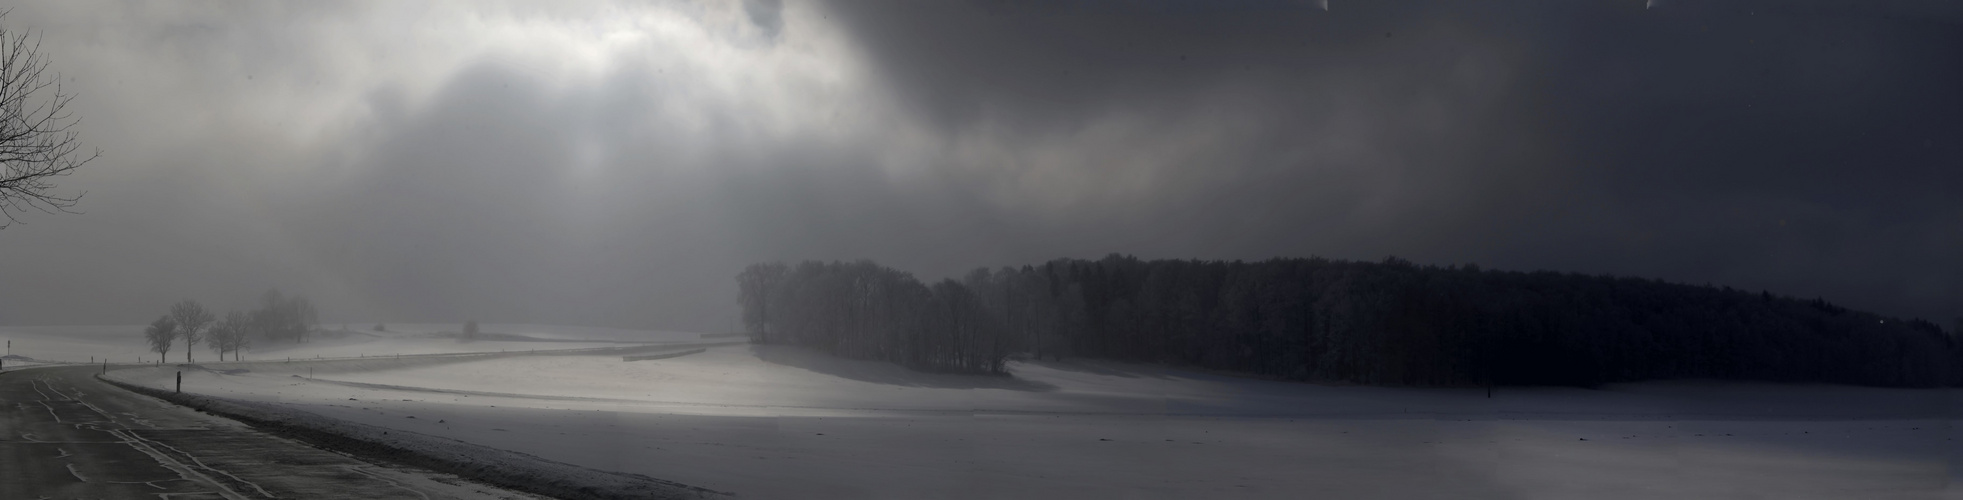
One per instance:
[(779, 422)]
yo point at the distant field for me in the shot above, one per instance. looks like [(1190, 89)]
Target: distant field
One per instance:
[(124, 343), (781, 422)]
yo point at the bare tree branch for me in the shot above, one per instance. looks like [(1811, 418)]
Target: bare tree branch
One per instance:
[(38, 140)]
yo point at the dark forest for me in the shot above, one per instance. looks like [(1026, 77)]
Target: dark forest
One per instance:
[(1324, 320)]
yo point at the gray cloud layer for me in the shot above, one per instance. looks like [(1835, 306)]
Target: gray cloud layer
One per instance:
[(616, 164)]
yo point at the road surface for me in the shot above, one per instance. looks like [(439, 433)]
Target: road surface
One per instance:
[(64, 434)]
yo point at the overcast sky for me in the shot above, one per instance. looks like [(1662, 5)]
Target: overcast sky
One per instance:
[(617, 163)]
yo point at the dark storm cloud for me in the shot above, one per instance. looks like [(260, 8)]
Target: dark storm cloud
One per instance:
[(768, 15), (1811, 148), (616, 164)]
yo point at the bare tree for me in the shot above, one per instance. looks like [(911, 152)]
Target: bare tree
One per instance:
[(216, 338), (756, 287), (241, 338), (231, 334), (470, 330), (38, 141), (160, 335), (304, 317), (191, 320), (282, 317)]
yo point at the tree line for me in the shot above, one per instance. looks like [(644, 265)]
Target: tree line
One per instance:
[(862, 310), (1390, 322), (278, 318)]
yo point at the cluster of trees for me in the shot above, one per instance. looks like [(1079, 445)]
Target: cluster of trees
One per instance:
[(1389, 322), (278, 318), (862, 310)]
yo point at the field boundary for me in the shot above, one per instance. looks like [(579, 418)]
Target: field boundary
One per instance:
[(651, 357), (498, 467)]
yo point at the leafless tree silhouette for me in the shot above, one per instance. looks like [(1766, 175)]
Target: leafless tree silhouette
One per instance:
[(38, 141), (192, 318), (161, 334), (231, 334)]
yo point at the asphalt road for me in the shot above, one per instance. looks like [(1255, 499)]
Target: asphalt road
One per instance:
[(64, 434)]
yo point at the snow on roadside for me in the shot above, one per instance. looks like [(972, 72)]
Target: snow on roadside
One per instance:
[(499, 467), (16, 361)]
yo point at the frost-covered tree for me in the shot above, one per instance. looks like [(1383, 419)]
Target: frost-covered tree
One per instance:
[(161, 334), (191, 318), (754, 289), (231, 334), (862, 310), (282, 317)]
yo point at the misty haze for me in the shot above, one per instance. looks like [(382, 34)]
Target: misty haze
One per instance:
[(968, 249)]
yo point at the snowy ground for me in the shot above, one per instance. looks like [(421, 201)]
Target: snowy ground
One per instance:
[(777, 422)]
